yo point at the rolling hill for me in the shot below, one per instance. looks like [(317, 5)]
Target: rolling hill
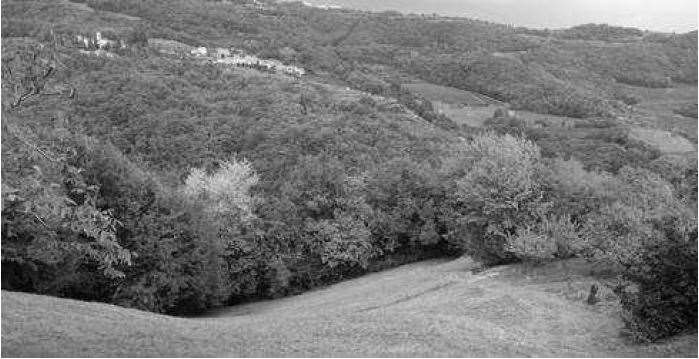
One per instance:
[(428, 309), (647, 14), (183, 157)]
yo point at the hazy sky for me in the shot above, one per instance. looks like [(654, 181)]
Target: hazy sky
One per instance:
[(659, 15)]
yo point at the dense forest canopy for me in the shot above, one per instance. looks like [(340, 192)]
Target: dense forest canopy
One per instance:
[(175, 184)]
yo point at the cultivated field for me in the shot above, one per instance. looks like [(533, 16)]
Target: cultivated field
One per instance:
[(473, 116), (657, 109), (434, 308), (664, 141), (450, 95), (463, 107)]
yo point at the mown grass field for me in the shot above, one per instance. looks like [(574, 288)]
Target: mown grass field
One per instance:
[(450, 95), (474, 116), (657, 110), (463, 107), (664, 141), (434, 308)]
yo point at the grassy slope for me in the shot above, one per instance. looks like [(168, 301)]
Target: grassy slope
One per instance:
[(435, 308), (656, 110), (462, 107)]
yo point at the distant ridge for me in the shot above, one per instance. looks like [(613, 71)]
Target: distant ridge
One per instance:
[(653, 15)]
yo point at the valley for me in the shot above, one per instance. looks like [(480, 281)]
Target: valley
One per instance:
[(263, 178)]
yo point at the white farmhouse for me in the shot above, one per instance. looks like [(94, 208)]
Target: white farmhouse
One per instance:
[(221, 53), (103, 43), (200, 51)]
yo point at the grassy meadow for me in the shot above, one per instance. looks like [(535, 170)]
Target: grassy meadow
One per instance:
[(434, 308)]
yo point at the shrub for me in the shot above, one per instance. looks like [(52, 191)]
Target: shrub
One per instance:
[(407, 200), (646, 191), (555, 237), (138, 36), (226, 199), (576, 191), (640, 224), (681, 172), (226, 192), (530, 245), (665, 303), (52, 228), (687, 110), (344, 240), (316, 225), (623, 225), (179, 265), (625, 97), (501, 193)]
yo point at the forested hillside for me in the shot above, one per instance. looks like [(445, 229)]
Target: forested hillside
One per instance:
[(143, 175)]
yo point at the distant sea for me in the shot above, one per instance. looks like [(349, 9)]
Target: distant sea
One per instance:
[(655, 15)]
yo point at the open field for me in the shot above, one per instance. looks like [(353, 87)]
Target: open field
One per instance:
[(473, 116), (664, 141), (463, 107), (657, 109), (434, 308), (450, 95)]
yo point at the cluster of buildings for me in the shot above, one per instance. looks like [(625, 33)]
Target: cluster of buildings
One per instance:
[(98, 42), (259, 5), (98, 53), (92, 44), (99, 45), (238, 58), (324, 6), (308, 3)]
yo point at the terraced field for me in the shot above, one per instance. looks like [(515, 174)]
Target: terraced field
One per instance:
[(463, 107), (665, 141), (434, 308), (657, 110), (450, 95)]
